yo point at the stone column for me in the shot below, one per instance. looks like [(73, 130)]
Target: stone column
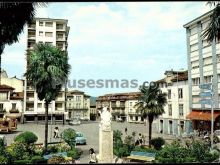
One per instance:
[(105, 146)]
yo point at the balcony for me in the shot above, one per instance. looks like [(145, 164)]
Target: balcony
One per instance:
[(77, 107), (60, 38), (60, 99), (30, 98), (30, 109), (32, 26), (59, 109)]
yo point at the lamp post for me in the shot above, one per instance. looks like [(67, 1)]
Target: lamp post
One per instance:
[(212, 113)]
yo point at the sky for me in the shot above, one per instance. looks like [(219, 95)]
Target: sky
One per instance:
[(116, 40)]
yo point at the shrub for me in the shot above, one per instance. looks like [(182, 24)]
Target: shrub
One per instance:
[(63, 147), (69, 136), (17, 150), (37, 159), (26, 137), (157, 143), (129, 140), (73, 153), (22, 161), (52, 149), (3, 159), (56, 160), (144, 149)]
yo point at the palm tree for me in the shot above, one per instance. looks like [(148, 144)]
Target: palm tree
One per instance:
[(212, 32), (47, 72), (151, 104), (13, 17)]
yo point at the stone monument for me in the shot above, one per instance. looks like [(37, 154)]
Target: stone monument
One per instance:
[(105, 138)]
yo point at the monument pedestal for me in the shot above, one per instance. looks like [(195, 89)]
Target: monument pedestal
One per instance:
[(105, 146)]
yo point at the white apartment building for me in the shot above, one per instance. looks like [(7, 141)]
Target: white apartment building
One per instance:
[(203, 64), (78, 105), (173, 121), (55, 32), (121, 105)]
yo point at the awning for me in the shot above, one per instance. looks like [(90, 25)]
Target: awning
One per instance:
[(202, 115)]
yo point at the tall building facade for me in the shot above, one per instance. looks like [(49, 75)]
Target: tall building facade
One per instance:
[(173, 121), (203, 65), (121, 105), (78, 105), (54, 32)]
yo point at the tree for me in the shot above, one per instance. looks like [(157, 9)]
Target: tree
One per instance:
[(13, 17), (212, 32), (151, 104), (47, 71), (69, 136)]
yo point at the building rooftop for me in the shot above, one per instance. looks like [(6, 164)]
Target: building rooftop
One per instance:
[(6, 87), (54, 19), (198, 19)]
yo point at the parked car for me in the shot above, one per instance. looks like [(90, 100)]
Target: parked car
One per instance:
[(80, 139), (84, 119), (4, 139), (74, 121), (216, 136), (119, 119)]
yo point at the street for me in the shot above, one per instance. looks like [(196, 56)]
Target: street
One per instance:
[(90, 129)]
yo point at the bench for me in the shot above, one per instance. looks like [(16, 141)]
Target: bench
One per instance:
[(142, 156)]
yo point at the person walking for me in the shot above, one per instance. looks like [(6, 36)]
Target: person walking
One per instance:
[(140, 139), (126, 130), (56, 132), (93, 158)]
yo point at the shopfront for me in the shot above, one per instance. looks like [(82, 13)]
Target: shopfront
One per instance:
[(201, 119)]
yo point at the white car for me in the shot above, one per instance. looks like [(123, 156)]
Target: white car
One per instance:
[(74, 121), (216, 136)]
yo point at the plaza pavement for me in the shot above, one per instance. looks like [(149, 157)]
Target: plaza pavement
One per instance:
[(90, 129)]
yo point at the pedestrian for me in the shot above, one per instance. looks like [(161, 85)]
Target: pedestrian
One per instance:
[(93, 158), (126, 130), (140, 139), (56, 132)]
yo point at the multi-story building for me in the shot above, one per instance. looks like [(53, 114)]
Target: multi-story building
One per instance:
[(173, 121), (55, 32), (11, 96), (203, 65), (78, 105), (121, 105)]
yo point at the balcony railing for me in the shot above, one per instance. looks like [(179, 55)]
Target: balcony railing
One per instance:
[(30, 109), (77, 107)]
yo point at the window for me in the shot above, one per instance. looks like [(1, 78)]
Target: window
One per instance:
[(169, 93), (207, 79), (3, 96), (194, 47), (78, 98), (180, 93), (59, 26), (60, 36), (130, 103), (218, 58), (49, 24), (181, 109), (41, 23), (40, 33), (40, 42), (39, 105), (1, 107), (196, 81), (170, 109), (48, 34), (218, 77), (207, 61), (205, 43), (13, 105), (195, 64)]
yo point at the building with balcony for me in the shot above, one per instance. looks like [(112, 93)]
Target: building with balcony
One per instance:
[(174, 121), (78, 105), (203, 64), (11, 96), (121, 105), (55, 32)]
